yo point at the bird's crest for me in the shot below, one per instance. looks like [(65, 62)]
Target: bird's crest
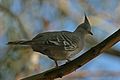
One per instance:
[(86, 19)]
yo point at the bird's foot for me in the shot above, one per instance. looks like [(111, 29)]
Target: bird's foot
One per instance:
[(68, 60)]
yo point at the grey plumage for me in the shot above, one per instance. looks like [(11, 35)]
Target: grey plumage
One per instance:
[(59, 45)]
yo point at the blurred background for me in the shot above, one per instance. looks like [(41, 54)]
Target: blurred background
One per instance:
[(23, 19)]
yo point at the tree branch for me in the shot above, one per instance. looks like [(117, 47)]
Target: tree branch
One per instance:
[(78, 62), (111, 51)]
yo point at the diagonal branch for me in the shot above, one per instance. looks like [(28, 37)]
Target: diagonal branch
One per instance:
[(78, 62), (111, 51)]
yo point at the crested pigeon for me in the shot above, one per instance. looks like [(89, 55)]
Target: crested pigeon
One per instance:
[(59, 45)]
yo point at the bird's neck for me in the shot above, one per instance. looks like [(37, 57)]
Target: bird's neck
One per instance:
[(81, 36), (80, 33)]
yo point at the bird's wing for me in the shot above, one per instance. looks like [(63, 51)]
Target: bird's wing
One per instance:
[(63, 40)]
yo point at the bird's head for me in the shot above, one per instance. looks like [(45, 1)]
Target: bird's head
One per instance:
[(85, 26)]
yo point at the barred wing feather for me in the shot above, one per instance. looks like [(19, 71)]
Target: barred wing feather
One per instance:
[(64, 39)]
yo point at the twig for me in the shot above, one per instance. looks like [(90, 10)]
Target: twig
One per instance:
[(78, 62), (111, 51)]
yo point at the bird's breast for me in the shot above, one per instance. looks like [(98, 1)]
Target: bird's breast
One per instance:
[(80, 46)]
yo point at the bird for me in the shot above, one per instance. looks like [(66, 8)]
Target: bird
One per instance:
[(59, 45)]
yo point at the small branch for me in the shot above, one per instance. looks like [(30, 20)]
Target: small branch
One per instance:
[(111, 51), (78, 62)]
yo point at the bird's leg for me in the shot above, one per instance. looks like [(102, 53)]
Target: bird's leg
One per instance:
[(56, 63)]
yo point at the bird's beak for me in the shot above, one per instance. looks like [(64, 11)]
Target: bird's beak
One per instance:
[(90, 32)]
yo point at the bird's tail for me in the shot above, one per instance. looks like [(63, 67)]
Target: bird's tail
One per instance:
[(20, 43)]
